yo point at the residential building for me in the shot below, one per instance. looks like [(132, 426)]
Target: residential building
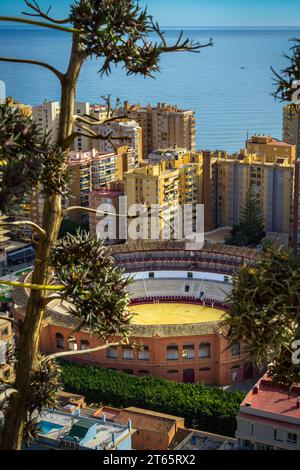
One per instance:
[(161, 431), (3, 241), (6, 342), (228, 178), (291, 134), (68, 430), (168, 185), (94, 171), (153, 185), (105, 200), (130, 134), (173, 153), (47, 117), (154, 431), (269, 417), (163, 126), (271, 149)]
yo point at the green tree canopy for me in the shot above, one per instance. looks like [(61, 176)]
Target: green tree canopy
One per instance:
[(265, 312)]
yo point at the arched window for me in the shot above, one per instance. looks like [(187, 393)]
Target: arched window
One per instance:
[(235, 349), (84, 344), (172, 352), (59, 341), (188, 351), (204, 350)]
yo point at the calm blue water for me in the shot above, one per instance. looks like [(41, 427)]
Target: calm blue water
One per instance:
[(47, 426), (229, 100)]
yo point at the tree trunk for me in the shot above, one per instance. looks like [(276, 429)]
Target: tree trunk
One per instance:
[(52, 217)]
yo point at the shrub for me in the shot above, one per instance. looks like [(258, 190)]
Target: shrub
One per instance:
[(205, 408)]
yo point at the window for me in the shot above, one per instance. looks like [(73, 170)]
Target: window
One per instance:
[(172, 372), (190, 275), (84, 344), (278, 435), (292, 438), (235, 349), (186, 288), (144, 355), (72, 346), (59, 341), (128, 353), (151, 275), (143, 372), (204, 369), (172, 352), (112, 353), (188, 351), (204, 350), (128, 371)]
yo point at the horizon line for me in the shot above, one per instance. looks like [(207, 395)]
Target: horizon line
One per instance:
[(16, 26)]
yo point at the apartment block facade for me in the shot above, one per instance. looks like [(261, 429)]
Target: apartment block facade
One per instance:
[(130, 134), (167, 185), (6, 342), (94, 171), (164, 126), (228, 178), (291, 134)]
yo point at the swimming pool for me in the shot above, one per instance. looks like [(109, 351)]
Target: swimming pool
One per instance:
[(48, 426)]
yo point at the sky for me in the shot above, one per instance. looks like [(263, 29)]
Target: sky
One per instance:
[(204, 13)]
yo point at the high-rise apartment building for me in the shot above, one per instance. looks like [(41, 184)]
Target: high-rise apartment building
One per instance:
[(272, 182), (93, 171), (164, 126), (47, 117), (291, 134), (167, 185), (130, 134), (227, 179)]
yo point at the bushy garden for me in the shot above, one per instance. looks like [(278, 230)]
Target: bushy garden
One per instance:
[(205, 408)]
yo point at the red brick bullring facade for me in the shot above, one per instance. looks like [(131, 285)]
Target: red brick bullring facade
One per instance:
[(185, 353)]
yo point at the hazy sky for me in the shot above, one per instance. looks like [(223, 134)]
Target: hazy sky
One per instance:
[(197, 12)]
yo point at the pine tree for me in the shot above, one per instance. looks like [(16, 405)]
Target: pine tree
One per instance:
[(250, 228)]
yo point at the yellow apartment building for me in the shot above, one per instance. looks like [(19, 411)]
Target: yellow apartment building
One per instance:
[(164, 126), (272, 182), (271, 149)]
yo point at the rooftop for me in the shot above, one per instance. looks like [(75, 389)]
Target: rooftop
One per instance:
[(57, 427), (271, 398)]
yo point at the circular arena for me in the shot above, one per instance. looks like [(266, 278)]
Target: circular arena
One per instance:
[(178, 299)]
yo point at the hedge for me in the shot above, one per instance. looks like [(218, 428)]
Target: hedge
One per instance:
[(205, 408)]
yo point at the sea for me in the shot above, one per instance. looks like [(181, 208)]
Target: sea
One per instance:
[(229, 85)]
